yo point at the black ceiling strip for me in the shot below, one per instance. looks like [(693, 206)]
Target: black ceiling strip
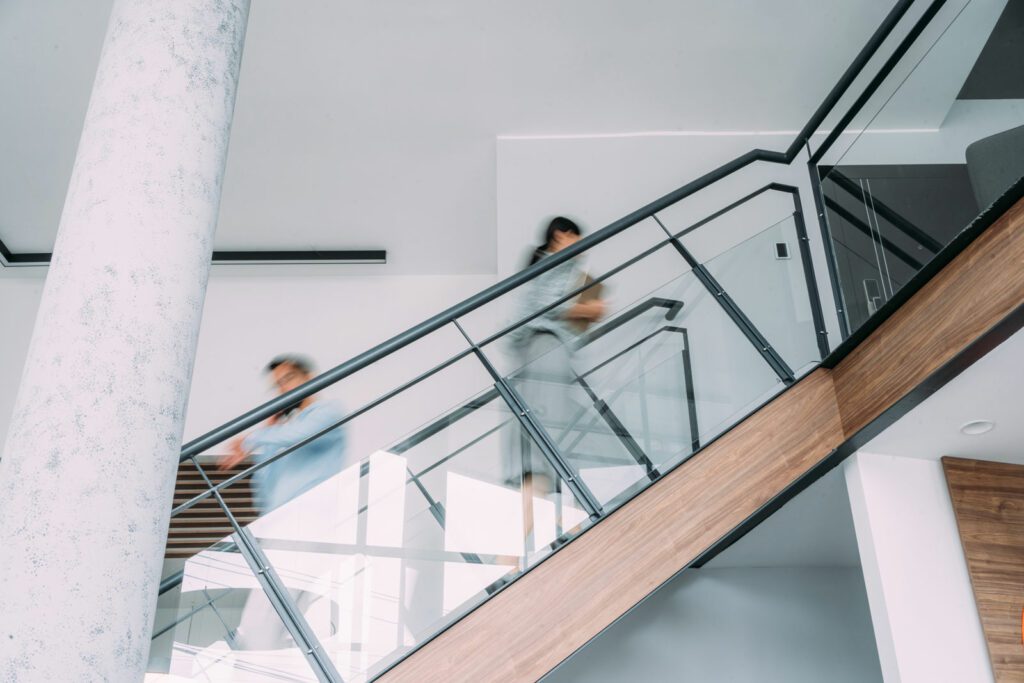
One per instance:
[(347, 255), (354, 256)]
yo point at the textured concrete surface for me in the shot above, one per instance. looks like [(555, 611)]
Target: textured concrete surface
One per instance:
[(87, 472)]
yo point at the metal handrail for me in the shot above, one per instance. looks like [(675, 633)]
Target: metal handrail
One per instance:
[(399, 341)]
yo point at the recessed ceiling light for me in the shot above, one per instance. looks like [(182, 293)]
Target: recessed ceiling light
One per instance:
[(975, 427)]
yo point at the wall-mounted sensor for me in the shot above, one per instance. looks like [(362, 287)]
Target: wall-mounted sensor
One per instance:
[(781, 250)]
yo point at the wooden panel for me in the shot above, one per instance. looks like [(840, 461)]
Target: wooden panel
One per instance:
[(988, 499), (974, 292), (523, 632)]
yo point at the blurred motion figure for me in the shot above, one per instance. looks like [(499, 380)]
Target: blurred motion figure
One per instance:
[(307, 466)]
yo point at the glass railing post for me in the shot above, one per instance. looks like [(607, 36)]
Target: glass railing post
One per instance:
[(537, 432), (830, 250), (704, 276), (813, 295), (292, 619), (619, 430), (691, 395), (438, 513)]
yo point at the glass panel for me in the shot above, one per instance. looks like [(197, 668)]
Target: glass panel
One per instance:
[(426, 520), (941, 139), (653, 401), (764, 275), (584, 389), (707, 237), (210, 601)]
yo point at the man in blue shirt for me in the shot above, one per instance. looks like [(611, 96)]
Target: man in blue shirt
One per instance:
[(305, 467)]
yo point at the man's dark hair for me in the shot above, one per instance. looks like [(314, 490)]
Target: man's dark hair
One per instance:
[(298, 362)]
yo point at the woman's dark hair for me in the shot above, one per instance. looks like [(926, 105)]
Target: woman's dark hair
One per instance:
[(557, 224)]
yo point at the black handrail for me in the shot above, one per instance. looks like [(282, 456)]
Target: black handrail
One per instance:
[(399, 341)]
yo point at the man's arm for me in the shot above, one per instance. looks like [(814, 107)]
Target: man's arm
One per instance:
[(282, 435)]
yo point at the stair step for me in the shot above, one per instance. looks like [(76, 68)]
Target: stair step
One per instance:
[(238, 495), (237, 511), (180, 520), (200, 526), (204, 532)]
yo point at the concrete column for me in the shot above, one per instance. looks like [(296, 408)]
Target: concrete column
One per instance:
[(87, 472)]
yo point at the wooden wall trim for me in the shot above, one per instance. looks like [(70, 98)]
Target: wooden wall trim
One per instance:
[(524, 631), (988, 500)]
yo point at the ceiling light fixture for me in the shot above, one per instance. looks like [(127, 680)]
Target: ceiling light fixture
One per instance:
[(975, 427)]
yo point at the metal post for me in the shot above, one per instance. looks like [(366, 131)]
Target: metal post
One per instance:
[(620, 431), (539, 435), (536, 431), (812, 282), (282, 603), (830, 251), (691, 399), (770, 355)]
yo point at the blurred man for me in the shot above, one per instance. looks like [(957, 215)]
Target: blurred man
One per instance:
[(298, 471), (284, 479)]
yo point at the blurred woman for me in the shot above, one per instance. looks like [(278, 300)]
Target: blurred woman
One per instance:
[(543, 350)]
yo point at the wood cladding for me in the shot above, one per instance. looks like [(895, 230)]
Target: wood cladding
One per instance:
[(980, 287), (527, 629), (988, 499)]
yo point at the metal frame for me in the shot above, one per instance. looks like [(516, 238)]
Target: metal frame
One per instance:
[(672, 306)]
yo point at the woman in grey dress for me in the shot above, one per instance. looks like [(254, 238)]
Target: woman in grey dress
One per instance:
[(543, 348)]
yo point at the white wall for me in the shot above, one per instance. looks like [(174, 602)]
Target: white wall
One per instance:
[(965, 122), (926, 623), (772, 625), (255, 313), (19, 300)]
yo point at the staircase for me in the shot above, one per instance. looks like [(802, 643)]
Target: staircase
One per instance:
[(197, 528), (675, 426)]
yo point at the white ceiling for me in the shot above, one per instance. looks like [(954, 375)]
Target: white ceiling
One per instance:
[(991, 389), (373, 124)]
